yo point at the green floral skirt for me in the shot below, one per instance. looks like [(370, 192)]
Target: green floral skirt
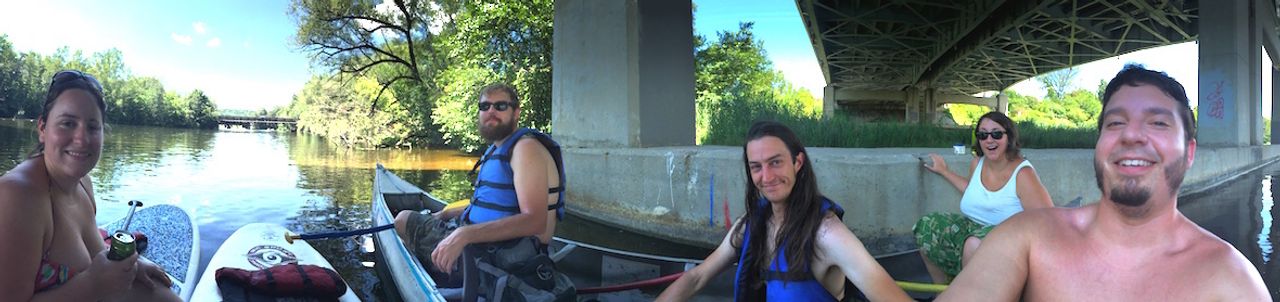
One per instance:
[(941, 236)]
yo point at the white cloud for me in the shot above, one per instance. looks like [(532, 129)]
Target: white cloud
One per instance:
[(199, 27), (215, 42), (181, 39), (246, 45)]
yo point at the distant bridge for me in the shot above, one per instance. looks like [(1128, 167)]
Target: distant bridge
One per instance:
[(255, 122)]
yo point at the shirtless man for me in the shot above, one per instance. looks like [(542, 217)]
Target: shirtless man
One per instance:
[(1133, 244)]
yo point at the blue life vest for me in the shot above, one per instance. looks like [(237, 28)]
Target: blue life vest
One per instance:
[(495, 192), (777, 286)]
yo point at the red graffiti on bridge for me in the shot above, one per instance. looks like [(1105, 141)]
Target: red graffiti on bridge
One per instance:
[(1216, 101)]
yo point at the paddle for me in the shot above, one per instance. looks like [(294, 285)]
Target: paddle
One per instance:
[(290, 237)]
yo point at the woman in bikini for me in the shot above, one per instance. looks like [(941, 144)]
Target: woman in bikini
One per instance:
[(52, 250)]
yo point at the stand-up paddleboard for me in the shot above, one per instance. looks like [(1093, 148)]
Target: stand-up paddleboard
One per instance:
[(173, 243), (257, 246)]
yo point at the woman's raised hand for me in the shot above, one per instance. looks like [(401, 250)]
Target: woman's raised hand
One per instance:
[(935, 163)]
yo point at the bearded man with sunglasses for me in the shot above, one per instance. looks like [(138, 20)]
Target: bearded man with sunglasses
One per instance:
[(1000, 183), (518, 195)]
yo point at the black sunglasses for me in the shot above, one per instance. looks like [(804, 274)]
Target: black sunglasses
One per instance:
[(993, 134), (72, 75), (500, 106)]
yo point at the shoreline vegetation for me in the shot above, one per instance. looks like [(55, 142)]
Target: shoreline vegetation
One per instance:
[(402, 86), (131, 100)]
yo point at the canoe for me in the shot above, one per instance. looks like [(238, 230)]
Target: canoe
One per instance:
[(597, 272)]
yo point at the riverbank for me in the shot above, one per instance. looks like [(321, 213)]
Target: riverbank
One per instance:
[(668, 191)]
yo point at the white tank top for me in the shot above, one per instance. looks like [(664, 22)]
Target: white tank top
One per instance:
[(987, 207)]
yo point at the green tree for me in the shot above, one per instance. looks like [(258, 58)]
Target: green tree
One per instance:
[(12, 98), (1057, 83), (203, 112), (734, 72), (353, 37)]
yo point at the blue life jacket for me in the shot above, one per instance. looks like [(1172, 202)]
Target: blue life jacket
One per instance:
[(495, 192), (778, 287)]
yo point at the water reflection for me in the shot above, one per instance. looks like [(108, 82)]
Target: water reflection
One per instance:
[(1241, 212)]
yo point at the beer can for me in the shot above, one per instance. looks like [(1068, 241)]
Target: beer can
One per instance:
[(121, 246)]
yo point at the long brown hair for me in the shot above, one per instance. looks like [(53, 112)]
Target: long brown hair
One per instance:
[(800, 225)]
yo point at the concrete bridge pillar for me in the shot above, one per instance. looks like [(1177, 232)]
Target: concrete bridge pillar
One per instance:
[(829, 105), (915, 101), (1002, 103), (1230, 77), (1275, 110), (622, 73), (930, 109)]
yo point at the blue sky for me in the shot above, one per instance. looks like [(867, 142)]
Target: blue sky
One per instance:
[(239, 52)]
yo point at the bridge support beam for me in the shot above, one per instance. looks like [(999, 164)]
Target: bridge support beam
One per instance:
[(829, 105), (1230, 100), (611, 90), (1275, 110)]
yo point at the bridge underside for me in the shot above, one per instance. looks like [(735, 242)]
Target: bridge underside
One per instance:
[(955, 49)]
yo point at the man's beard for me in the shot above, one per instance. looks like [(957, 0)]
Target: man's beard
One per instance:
[(499, 131), (1132, 196)]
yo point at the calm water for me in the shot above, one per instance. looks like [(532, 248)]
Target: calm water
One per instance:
[(1241, 212), (232, 178)]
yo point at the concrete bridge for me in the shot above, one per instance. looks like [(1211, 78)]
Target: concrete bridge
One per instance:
[(623, 94), (255, 122)]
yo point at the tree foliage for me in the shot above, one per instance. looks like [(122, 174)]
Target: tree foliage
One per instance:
[(353, 37), (735, 77), (450, 47), (134, 100), (1057, 83)]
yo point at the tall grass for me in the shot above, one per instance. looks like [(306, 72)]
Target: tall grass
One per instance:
[(729, 126)]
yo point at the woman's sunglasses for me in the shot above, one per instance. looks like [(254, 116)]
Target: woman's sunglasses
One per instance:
[(72, 75), (992, 134)]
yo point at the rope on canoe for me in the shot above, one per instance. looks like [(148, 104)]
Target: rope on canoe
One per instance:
[(633, 285)]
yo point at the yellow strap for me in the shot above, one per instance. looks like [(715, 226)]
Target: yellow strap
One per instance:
[(921, 287), (458, 204)]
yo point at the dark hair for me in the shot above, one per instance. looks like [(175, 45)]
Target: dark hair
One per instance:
[(500, 87), (804, 213), (1135, 75), (61, 82), (1014, 149)]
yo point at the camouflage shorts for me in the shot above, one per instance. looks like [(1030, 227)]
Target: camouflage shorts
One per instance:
[(941, 236), (425, 231)]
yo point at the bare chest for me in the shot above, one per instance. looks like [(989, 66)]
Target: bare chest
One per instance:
[(74, 236), (994, 179), (1078, 275)]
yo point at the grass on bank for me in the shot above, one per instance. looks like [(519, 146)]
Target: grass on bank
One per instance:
[(729, 127)]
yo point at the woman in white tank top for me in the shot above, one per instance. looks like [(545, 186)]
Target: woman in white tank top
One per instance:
[(1000, 183)]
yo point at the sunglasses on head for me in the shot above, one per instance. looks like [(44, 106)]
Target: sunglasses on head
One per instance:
[(72, 75), (992, 134), (500, 106)]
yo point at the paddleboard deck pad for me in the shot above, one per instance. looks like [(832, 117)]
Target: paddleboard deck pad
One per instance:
[(172, 243)]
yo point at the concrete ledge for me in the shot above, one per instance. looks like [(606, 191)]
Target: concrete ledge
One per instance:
[(667, 191)]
